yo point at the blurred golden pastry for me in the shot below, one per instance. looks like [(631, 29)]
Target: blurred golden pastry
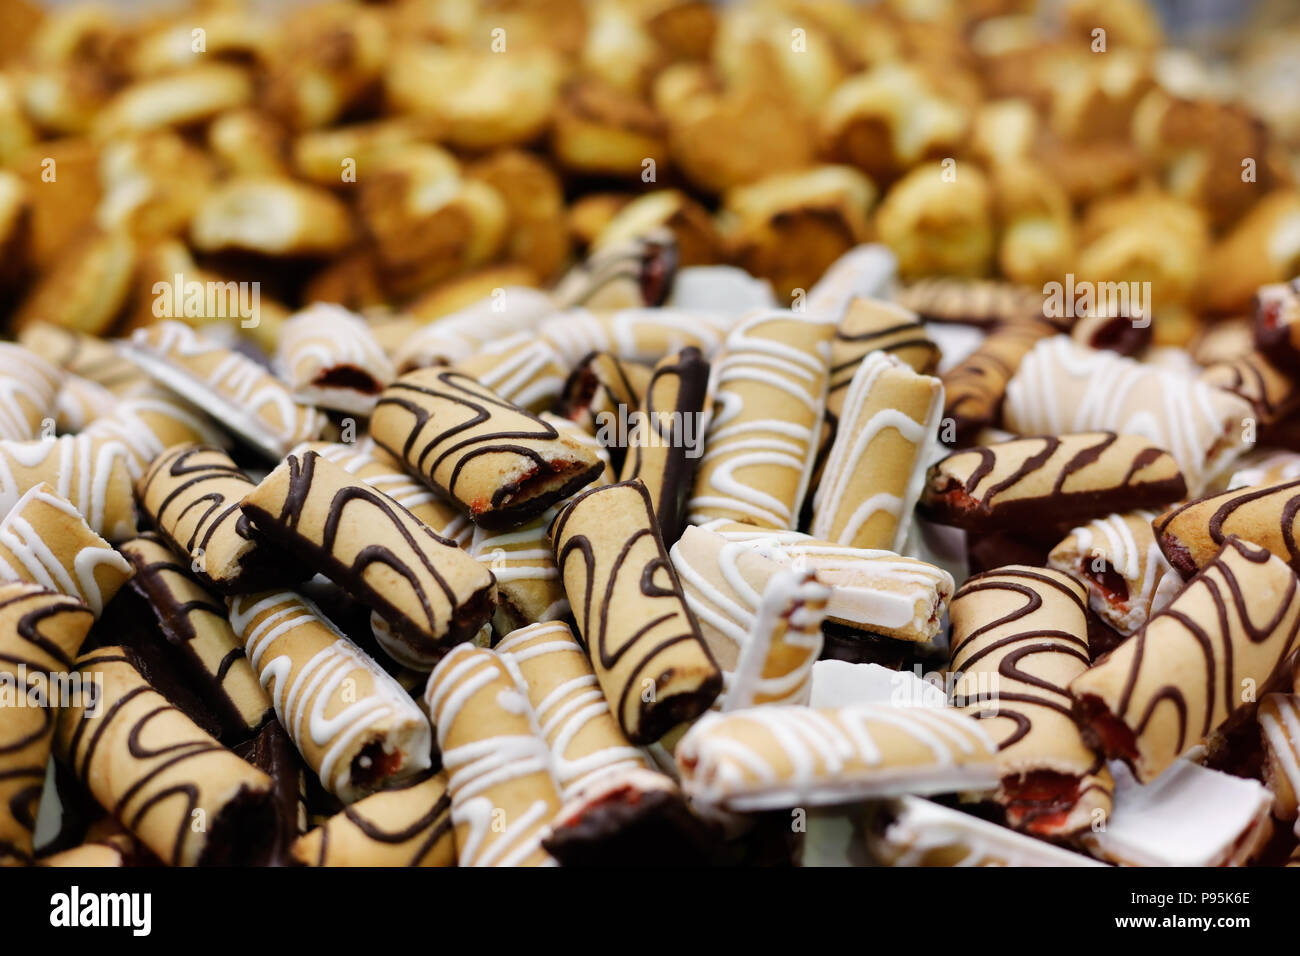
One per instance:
[(537, 235), (1036, 227), (482, 99), (760, 47), (250, 142), (1263, 247), (152, 184), (888, 120), (428, 222), (790, 227), (271, 216), (465, 290), (939, 225), (602, 130), (344, 154), (698, 241), (85, 288), (722, 138), (178, 99), (235, 33)]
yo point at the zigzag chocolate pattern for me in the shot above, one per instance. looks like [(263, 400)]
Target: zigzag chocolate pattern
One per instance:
[(630, 611), (981, 302), (658, 453), (193, 493), (1062, 478), (151, 767), (376, 468), (874, 326), (197, 624), (501, 464), (404, 825), (40, 633), (1163, 690), (495, 758), (1272, 392), (447, 595), (1028, 626), (1192, 533), (975, 387)]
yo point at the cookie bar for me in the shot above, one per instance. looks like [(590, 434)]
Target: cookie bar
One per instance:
[(1119, 561), (1055, 480), (1062, 387), (29, 387), (874, 591), (503, 794), (40, 635), (1192, 533), (1161, 692), (769, 399), (352, 723), (245, 397), (381, 471), (1019, 636), (195, 621), (775, 663), (192, 494), (407, 824), (766, 758), (45, 540), (976, 387), (1277, 322), (645, 646), (430, 592), (665, 446), (875, 470), (330, 359), (499, 463), (521, 369), (151, 767), (94, 473), (636, 272), (981, 302), (870, 325)]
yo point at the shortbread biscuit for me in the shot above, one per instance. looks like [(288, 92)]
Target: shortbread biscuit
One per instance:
[(875, 470), (192, 495), (331, 360), (498, 764), (1119, 561), (182, 98), (195, 621), (430, 592), (234, 389), (1192, 533), (381, 471), (645, 646), (1161, 692), (1062, 387), (86, 286), (769, 399), (45, 540), (1020, 635), (40, 635), (499, 463), (406, 824), (353, 724), (271, 216), (137, 753), (665, 446), (95, 474), (1053, 481), (767, 758)]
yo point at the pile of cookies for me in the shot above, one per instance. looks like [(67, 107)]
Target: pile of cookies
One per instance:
[(533, 513)]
